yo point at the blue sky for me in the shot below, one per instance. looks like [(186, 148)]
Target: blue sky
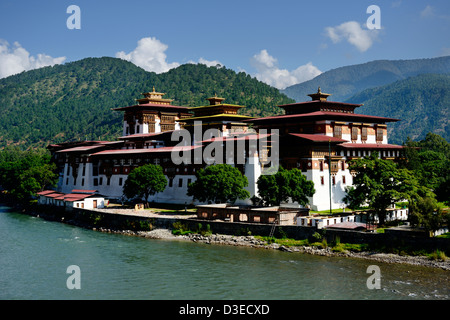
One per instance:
[(280, 42)]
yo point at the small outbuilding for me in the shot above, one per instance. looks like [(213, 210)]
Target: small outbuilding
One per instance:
[(249, 214), (84, 199)]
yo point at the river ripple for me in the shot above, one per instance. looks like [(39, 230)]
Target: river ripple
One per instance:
[(35, 254)]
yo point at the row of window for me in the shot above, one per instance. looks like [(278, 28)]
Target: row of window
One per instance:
[(337, 132), (333, 180), (180, 182), (99, 182)]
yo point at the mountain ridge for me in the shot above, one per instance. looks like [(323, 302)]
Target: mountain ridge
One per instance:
[(346, 81), (74, 101), (420, 102)]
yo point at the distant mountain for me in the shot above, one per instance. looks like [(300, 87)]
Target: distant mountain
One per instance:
[(347, 81), (422, 103), (74, 101)]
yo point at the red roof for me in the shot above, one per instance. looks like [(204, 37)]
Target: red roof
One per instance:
[(45, 192), (240, 137), (326, 115), (76, 195), (86, 148), (317, 137), (145, 135), (153, 105), (370, 146), (320, 102), (54, 195)]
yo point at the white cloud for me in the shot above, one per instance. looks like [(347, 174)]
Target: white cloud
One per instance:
[(268, 71), (149, 55), (16, 59), (431, 12), (428, 12), (352, 32), (208, 63)]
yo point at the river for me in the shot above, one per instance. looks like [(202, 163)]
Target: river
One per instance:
[(35, 255)]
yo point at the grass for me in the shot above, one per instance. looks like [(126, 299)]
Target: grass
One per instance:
[(333, 211), (445, 235), (336, 246), (168, 208)]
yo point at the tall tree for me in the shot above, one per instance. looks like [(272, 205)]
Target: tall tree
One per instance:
[(145, 181), (380, 184), (219, 183), (285, 184)]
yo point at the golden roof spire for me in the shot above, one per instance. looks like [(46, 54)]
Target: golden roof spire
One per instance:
[(319, 96), (154, 97)]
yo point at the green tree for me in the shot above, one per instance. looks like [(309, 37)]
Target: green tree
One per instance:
[(219, 183), (425, 212), (24, 173), (145, 181), (284, 184), (430, 161), (380, 183)]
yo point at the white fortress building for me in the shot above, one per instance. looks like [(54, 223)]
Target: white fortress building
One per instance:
[(318, 137)]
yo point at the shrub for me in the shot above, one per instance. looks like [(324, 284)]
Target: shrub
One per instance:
[(316, 237), (438, 255), (180, 228)]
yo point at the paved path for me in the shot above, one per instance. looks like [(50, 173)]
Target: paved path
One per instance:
[(146, 213)]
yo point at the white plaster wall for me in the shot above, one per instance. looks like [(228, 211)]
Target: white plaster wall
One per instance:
[(321, 199)]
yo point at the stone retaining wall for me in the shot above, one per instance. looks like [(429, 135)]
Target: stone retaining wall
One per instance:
[(101, 220)]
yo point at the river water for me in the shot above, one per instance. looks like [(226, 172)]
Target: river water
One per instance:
[(35, 255)]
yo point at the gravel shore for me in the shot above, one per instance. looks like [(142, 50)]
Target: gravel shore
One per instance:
[(250, 241)]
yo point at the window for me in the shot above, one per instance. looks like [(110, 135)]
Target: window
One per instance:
[(333, 178), (379, 134), (120, 181), (364, 134), (170, 182), (180, 183), (95, 182), (354, 133), (82, 182), (322, 180), (343, 179), (337, 131), (108, 181), (321, 165)]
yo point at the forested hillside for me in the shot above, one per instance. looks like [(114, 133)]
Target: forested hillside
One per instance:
[(344, 82), (421, 102), (74, 101)]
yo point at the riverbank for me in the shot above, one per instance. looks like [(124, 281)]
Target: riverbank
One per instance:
[(253, 242), (163, 231)]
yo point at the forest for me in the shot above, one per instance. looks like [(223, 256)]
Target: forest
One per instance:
[(420, 102), (74, 101)]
